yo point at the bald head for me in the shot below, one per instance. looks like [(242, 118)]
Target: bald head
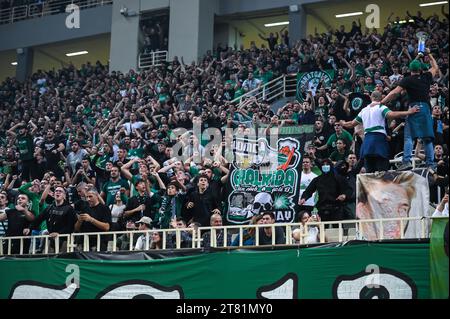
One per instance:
[(376, 96)]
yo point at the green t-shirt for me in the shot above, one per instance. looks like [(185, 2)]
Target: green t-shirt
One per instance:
[(322, 111), (333, 138), (336, 156), (110, 188), (136, 152), (26, 147), (265, 77), (34, 198), (369, 87), (360, 70)]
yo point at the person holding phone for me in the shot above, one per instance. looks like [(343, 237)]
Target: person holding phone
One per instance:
[(442, 208)]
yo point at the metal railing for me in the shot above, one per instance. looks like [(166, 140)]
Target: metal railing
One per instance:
[(148, 60), (275, 89), (172, 238), (290, 84), (45, 8)]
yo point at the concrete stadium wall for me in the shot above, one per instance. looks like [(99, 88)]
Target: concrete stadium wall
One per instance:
[(49, 29)]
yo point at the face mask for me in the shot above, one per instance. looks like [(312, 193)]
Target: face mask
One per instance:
[(326, 168)]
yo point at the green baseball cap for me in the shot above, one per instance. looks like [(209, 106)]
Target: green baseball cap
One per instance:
[(415, 66)]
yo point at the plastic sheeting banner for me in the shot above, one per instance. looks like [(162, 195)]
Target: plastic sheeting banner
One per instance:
[(391, 195)]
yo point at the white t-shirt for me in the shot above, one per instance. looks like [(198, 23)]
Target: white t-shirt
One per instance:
[(395, 78), (313, 232), (311, 237), (116, 212), (304, 183), (373, 118), (130, 126), (444, 213), (142, 242)]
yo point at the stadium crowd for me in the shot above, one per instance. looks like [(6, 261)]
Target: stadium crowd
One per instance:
[(92, 149)]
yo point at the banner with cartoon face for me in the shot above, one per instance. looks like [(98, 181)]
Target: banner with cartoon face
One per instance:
[(264, 178), (356, 271)]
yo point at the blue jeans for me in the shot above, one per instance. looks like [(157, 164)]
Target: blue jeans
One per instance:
[(408, 147)]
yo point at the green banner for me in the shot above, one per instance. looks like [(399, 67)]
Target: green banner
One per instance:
[(309, 81), (359, 271), (439, 258)]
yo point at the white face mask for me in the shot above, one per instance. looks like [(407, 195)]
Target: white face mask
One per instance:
[(326, 168)]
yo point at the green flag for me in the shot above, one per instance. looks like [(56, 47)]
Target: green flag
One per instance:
[(439, 258), (309, 81)]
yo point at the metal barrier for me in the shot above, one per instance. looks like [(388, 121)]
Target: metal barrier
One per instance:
[(148, 60), (51, 244), (271, 91), (290, 84), (172, 238), (268, 91), (35, 10), (13, 14)]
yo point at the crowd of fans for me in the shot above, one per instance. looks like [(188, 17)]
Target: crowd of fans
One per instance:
[(156, 34), (91, 149)]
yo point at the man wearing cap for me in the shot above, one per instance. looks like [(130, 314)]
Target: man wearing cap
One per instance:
[(143, 242), (418, 125)]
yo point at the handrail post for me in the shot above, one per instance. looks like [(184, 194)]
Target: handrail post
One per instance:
[(131, 241), (241, 239), (257, 236), (303, 233), (178, 238), (402, 235), (273, 234), (322, 232), (288, 235), (85, 243), (33, 246), (284, 86), (381, 230), (57, 245), (213, 238), (422, 224), (225, 233)]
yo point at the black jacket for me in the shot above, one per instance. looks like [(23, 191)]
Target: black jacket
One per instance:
[(60, 219), (204, 204), (329, 186)]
